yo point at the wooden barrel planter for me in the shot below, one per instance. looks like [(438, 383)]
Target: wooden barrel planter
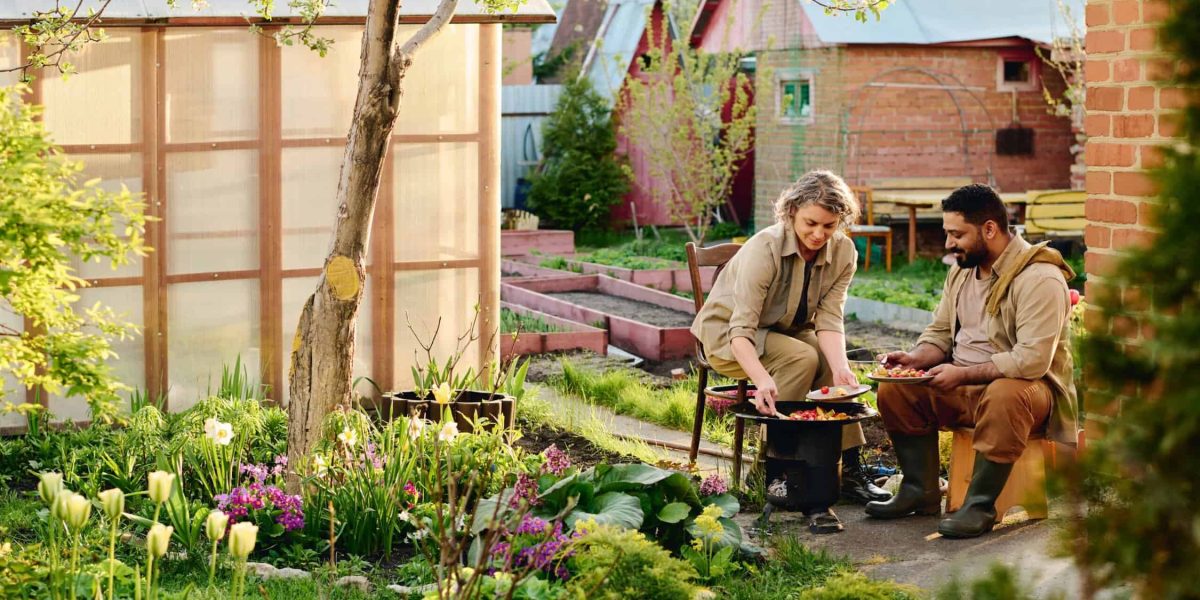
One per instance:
[(466, 406)]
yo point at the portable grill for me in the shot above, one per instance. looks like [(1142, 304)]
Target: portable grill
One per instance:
[(805, 453)]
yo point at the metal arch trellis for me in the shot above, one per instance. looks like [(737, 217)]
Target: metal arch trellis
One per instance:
[(849, 135)]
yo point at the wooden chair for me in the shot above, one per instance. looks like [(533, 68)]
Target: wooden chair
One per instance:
[(1026, 485), (868, 229), (716, 256)]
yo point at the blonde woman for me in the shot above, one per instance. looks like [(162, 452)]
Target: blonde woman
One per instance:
[(775, 313)]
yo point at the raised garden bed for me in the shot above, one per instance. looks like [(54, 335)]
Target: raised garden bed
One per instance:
[(671, 275), (570, 336), (515, 269), (545, 241), (646, 322)]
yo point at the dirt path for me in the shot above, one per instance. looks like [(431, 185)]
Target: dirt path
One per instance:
[(630, 309)]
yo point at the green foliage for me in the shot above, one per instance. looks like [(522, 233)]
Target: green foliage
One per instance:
[(792, 568), (855, 586), (580, 179), (625, 257), (548, 66), (691, 113), (512, 322), (725, 230), (1139, 477), (48, 218), (612, 563), (860, 8), (917, 285), (1000, 583)]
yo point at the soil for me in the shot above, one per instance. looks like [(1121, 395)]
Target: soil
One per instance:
[(875, 339), (582, 452), (630, 309)]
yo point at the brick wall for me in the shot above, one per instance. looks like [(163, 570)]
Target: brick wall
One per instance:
[(1128, 117), (906, 128)]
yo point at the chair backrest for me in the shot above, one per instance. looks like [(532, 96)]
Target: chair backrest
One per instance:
[(866, 202), (714, 256), (1061, 211)]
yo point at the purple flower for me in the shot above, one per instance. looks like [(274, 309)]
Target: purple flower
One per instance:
[(713, 485), (557, 461), (526, 489)]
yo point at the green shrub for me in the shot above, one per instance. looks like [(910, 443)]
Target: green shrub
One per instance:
[(791, 568), (1000, 583), (611, 563), (855, 586), (581, 178)]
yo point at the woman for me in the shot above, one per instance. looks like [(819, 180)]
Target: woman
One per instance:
[(775, 313)]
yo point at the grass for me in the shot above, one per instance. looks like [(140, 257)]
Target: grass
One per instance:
[(538, 412), (622, 391), (511, 320), (625, 258), (792, 568)]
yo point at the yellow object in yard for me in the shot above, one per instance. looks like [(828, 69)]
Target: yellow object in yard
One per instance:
[(741, 239)]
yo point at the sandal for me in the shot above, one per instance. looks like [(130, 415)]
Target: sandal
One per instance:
[(824, 522)]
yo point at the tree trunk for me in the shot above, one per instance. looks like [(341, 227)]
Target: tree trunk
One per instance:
[(323, 348)]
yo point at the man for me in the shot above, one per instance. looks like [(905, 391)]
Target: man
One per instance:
[(999, 353)]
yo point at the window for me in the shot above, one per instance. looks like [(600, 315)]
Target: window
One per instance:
[(1017, 71), (795, 99)]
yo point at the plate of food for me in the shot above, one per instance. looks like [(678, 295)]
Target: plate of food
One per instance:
[(838, 392), (899, 375), (816, 414)]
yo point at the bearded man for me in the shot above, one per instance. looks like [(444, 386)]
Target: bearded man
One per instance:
[(999, 353)]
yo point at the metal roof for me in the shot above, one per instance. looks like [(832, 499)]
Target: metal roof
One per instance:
[(945, 21), (608, 58), (531, 11)]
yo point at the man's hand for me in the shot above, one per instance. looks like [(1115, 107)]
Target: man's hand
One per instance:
[(845, 377), (898, 359), (766, 394), (947, 377)]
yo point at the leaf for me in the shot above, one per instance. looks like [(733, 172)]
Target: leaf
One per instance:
[(674, 512), (732, 536), (629, 477), (612, 508), (728, 503)]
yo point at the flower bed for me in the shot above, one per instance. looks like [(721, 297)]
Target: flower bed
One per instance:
[(626, 331), (571, 336), (546, 241)]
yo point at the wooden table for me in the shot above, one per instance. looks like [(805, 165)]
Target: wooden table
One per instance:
[(914, 199)]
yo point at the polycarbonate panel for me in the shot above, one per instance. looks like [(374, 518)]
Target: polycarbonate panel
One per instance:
[(210, 324), (295, 293), (310, 178), (441, 89), (319, 92), (212, 211), (212, 84), (436, 201), (424, 296), (101, 103), (113, 171), (10, 57), (129, 366)]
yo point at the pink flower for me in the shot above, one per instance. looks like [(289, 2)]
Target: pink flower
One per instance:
[(557, 461), (713, 485)]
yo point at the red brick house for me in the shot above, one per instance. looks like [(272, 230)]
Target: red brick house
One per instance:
[(921, 92)]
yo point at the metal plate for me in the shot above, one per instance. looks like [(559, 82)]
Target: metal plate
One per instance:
[(848, 392)]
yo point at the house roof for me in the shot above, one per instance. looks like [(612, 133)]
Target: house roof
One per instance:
[(947, 21), (578, 24), (607, 60), (219, 11)]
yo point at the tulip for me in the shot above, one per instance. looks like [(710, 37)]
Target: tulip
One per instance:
[(58, 510), (158, 539), (160, 483), (441, 393), (241, 539), (49, 487), (78, 509), (215, 525), (113, 502)]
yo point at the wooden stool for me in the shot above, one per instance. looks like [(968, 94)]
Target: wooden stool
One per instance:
[(1026, 486)]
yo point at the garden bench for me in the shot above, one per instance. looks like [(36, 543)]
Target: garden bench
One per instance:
[(1054, 214)]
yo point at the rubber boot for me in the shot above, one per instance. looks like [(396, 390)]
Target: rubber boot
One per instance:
[(919, 492), (857, 486), (978, 513)]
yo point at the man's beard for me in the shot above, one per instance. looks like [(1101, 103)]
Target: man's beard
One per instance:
[(972, 257)]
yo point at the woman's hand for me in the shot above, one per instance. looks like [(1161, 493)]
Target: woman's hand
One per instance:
[(766, 394), (845, 377)]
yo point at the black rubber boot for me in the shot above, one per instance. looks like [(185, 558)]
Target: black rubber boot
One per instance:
[(978, 513), (919, 492), (857, 486)]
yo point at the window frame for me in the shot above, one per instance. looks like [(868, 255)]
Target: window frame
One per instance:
[(786, 76), (1035, 71)]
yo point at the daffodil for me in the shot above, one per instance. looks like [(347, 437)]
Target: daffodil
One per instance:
[(320, 466), (448, 432), (441, 393)]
